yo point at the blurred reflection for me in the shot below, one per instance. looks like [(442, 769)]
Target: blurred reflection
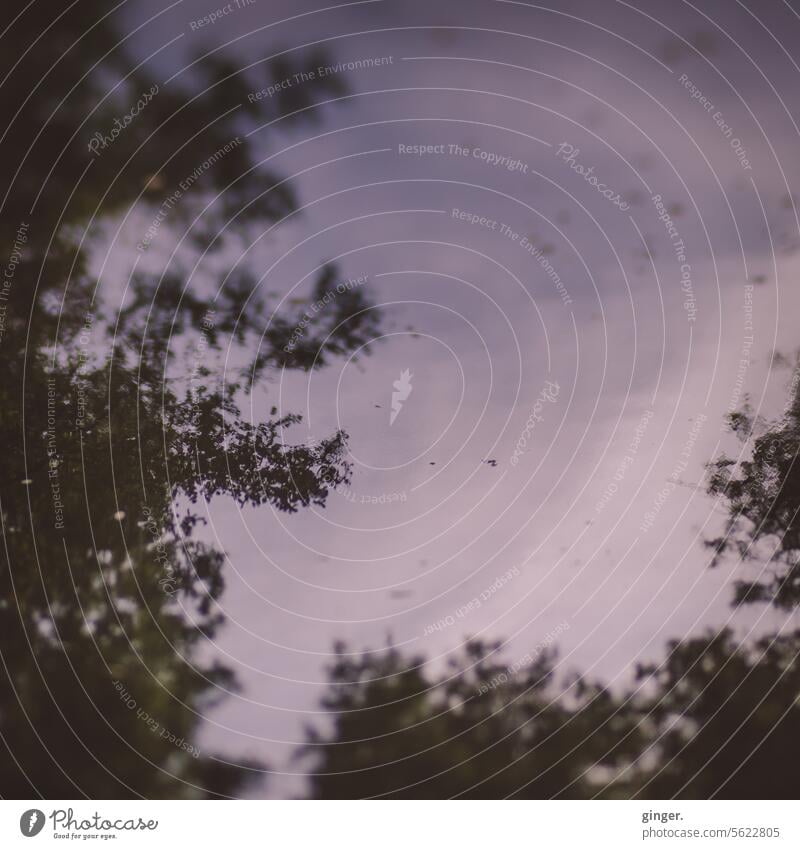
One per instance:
[(120, 422), (715, 717), (115, 431)]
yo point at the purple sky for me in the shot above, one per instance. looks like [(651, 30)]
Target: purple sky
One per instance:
[(479, 322)]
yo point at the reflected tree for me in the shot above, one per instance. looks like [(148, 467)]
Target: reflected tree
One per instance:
[(762, 497), (478, 729), (113, 444), (723, 719), (715, 717)]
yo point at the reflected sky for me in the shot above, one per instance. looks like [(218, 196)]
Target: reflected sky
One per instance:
[(577, 223)]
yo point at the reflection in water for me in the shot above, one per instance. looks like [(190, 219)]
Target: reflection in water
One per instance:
[(117, 430), (204, 485), (712, 718)]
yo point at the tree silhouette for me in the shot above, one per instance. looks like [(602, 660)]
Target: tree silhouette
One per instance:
[(762, 494), (715, 716), (724, 718), (117, 427), (476, 730)]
